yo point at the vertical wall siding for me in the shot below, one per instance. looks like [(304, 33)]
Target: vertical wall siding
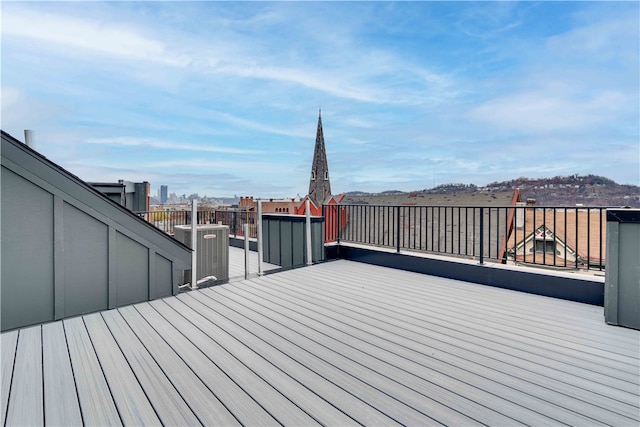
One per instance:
[(27, 252), (86, 263), (66, 250)]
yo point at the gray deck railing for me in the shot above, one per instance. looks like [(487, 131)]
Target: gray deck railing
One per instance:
[(167, 219), (559, 237)]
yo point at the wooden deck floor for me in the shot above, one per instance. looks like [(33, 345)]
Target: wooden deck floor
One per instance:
[(340, 343)]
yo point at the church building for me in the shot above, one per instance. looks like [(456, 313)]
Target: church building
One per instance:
[(319, 184)]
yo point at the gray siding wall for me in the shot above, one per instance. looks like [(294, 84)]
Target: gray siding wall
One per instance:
[(27, 256), (66, 250), (86, 263)]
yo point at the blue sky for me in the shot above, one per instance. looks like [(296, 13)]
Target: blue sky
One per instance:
[(222, 98)]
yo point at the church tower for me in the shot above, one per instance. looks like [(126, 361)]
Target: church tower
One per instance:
[(319, 185)]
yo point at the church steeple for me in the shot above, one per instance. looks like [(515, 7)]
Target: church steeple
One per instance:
[(319, 185)]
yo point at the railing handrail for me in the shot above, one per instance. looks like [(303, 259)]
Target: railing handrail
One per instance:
[(572, 236)]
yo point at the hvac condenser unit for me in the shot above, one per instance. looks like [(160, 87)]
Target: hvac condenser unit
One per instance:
[(212, 250)]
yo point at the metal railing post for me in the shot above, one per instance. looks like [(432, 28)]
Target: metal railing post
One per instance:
[(398, 229), (233, 222), (308, 231), (338, 215), (481, 235), (245, 230), (194, 243), (259, 236)]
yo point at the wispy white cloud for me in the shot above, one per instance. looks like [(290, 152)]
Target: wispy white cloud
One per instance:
[(549, 112), (166, 145), (408, 90), (105, 38)]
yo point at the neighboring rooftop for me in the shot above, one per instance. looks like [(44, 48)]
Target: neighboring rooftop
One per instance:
[(339, 343)]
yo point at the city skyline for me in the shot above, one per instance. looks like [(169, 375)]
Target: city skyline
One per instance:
[(222, 98)]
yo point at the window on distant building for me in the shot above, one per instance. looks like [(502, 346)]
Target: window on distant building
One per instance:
[(545, 246), (326, 175), (313, 175)]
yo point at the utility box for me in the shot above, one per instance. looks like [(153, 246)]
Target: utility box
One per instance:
[(284, 239), (622, 272), (212, 250)]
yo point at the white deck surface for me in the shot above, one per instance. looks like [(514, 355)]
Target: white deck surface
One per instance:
[(341, 343)]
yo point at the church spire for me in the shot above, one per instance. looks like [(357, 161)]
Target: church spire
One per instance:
[(319, 185)]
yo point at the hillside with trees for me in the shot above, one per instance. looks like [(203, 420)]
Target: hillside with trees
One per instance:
[(572, 190)]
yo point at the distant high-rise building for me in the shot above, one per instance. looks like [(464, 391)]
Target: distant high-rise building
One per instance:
[(163, 194), (319, 185)]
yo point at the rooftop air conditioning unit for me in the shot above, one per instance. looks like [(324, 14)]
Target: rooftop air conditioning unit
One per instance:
[(212, 250)]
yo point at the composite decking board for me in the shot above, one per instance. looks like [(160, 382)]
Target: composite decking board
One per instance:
[(392, 334), (9, 342), (313, 360), (314, 322), (132, 402), (61, 403), (498, 308), (496, 299), (510, 402), (602, 335), (203, 402), (629, 397), (26, 400), (236, 263), (586, 348), (211, 363), (445, 330), (96, 402), (331, 361), (507, 345), (299, 384), (391, 303), (165, 399), (613, 329), (600, 364), (278, 406)]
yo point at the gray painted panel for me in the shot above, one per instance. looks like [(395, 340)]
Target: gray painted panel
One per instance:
[(629, 275), (132, 261), (317, 241), (27, 252), (273, 242), (86, 263), (298, 243), (285, 240), (164, 278)]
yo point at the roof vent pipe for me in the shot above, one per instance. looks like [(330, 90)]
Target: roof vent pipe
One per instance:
[(29, 139)]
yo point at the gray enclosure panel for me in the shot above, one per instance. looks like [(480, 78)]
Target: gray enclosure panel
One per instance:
[(285, 240), (86, 268), (298, 243), (27, 252), (629, 276), (133, 281), (164, 270), (272, 240)]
